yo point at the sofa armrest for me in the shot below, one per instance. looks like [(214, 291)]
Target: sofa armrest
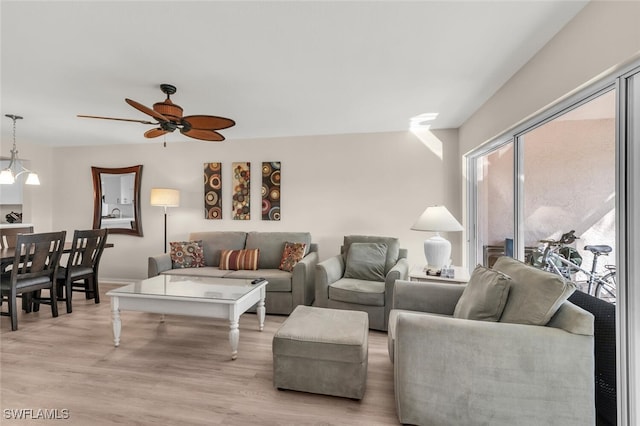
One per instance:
[(456, 371), (327, 272), (303, 279), (434, 298), (158, 264), (400, 271)]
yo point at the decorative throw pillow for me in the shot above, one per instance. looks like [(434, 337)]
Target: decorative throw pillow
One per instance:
[(535, 295), (365, 261), (186, 254), (292, 254), (485, 295), (239, 259)]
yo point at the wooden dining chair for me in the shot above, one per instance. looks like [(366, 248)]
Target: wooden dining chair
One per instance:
[(8, 239), (34, 269), (81, 271)]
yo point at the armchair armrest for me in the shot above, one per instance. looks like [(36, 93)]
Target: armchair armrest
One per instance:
[(327, 272), (456, 371), (434, 298), (158, 264), (303, 279)]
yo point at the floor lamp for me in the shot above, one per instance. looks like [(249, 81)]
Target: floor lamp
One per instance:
[(165, 197)]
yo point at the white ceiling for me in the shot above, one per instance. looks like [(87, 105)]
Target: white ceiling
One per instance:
[(278, 68)]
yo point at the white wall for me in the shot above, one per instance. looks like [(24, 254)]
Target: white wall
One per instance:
[(374, 184), (603, 35)]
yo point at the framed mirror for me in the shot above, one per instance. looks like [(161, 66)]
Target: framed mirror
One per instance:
[(116, 199)]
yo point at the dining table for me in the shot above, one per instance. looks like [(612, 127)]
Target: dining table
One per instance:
[(8, 254)]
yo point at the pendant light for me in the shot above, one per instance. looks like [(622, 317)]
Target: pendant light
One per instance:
[(9, 175)]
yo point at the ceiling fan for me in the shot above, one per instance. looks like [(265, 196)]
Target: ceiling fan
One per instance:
[(169, 118)]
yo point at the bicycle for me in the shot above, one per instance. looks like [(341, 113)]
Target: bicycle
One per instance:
[(558, 257)]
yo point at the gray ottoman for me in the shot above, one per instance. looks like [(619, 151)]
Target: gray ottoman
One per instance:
[(322, 351)]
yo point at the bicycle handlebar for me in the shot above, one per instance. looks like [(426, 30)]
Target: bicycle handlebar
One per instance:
[(566, 238)]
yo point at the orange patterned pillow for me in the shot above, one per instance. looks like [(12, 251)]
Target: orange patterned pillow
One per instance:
[(239, 259), (186, 254), (292, 254)]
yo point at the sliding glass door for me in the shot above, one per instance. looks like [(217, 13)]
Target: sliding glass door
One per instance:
[(568, 181)]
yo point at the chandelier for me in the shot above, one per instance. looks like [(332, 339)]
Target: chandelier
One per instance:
[(9, 175)]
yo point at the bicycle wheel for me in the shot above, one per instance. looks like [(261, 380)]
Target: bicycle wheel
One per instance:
[(606, 288)]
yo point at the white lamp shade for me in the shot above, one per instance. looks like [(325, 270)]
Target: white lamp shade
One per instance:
[(6, 177), (165, 197), (32, 179), (437, 219)]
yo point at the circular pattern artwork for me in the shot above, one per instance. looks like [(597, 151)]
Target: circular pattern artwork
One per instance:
[(213, 190), (271, 190), (241, 198)]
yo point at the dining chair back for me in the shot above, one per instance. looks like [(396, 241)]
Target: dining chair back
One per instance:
[(34, 268), (8, 240), (8, 235), (81, 270)]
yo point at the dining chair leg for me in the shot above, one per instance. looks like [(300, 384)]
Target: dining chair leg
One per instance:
[(34, 301), (68, 292), (26, 302), (96, 292), (13, 311), (54, 301)]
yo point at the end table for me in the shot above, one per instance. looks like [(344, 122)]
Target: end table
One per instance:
[(418, 273)]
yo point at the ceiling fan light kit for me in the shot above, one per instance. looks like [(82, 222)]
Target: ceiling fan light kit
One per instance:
[(169, 118), (15, 168)]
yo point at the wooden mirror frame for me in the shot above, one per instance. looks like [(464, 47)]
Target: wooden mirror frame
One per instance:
[(97, 198)]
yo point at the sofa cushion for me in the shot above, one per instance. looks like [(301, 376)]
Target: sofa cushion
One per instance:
[(292, 254), (393, 248), (239, 259), (186, 254), (366, 261), (485, 295), (535, 295), (215, 241), (360, 292), (271, 245), (279, 281)]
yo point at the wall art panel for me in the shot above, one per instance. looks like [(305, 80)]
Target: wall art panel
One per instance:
[(271, 190), (213, 190), (241, 183)]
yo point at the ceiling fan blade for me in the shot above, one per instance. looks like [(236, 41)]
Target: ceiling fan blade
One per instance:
[(118, 119), (146, 110), (208, 122), (202, 134), (154, 133)]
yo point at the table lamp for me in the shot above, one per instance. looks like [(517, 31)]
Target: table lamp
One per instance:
[(437, 250), (165, 197)]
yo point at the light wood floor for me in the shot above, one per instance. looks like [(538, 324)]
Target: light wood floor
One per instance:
[(174, 373)]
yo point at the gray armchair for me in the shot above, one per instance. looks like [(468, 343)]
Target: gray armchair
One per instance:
[(453, 371), (362, 277)]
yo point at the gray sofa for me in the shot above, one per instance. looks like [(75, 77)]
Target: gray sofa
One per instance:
[(454, 371), (285, 290)]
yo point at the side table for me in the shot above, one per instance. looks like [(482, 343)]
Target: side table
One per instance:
[(417, 273)]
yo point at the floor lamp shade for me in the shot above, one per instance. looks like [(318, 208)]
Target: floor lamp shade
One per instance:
[(437, 250), (165, 197)]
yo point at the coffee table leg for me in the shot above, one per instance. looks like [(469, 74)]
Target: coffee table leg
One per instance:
[(234, 337), (261, 309), (115, 319)]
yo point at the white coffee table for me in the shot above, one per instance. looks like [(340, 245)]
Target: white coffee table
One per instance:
[(193, 296)]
